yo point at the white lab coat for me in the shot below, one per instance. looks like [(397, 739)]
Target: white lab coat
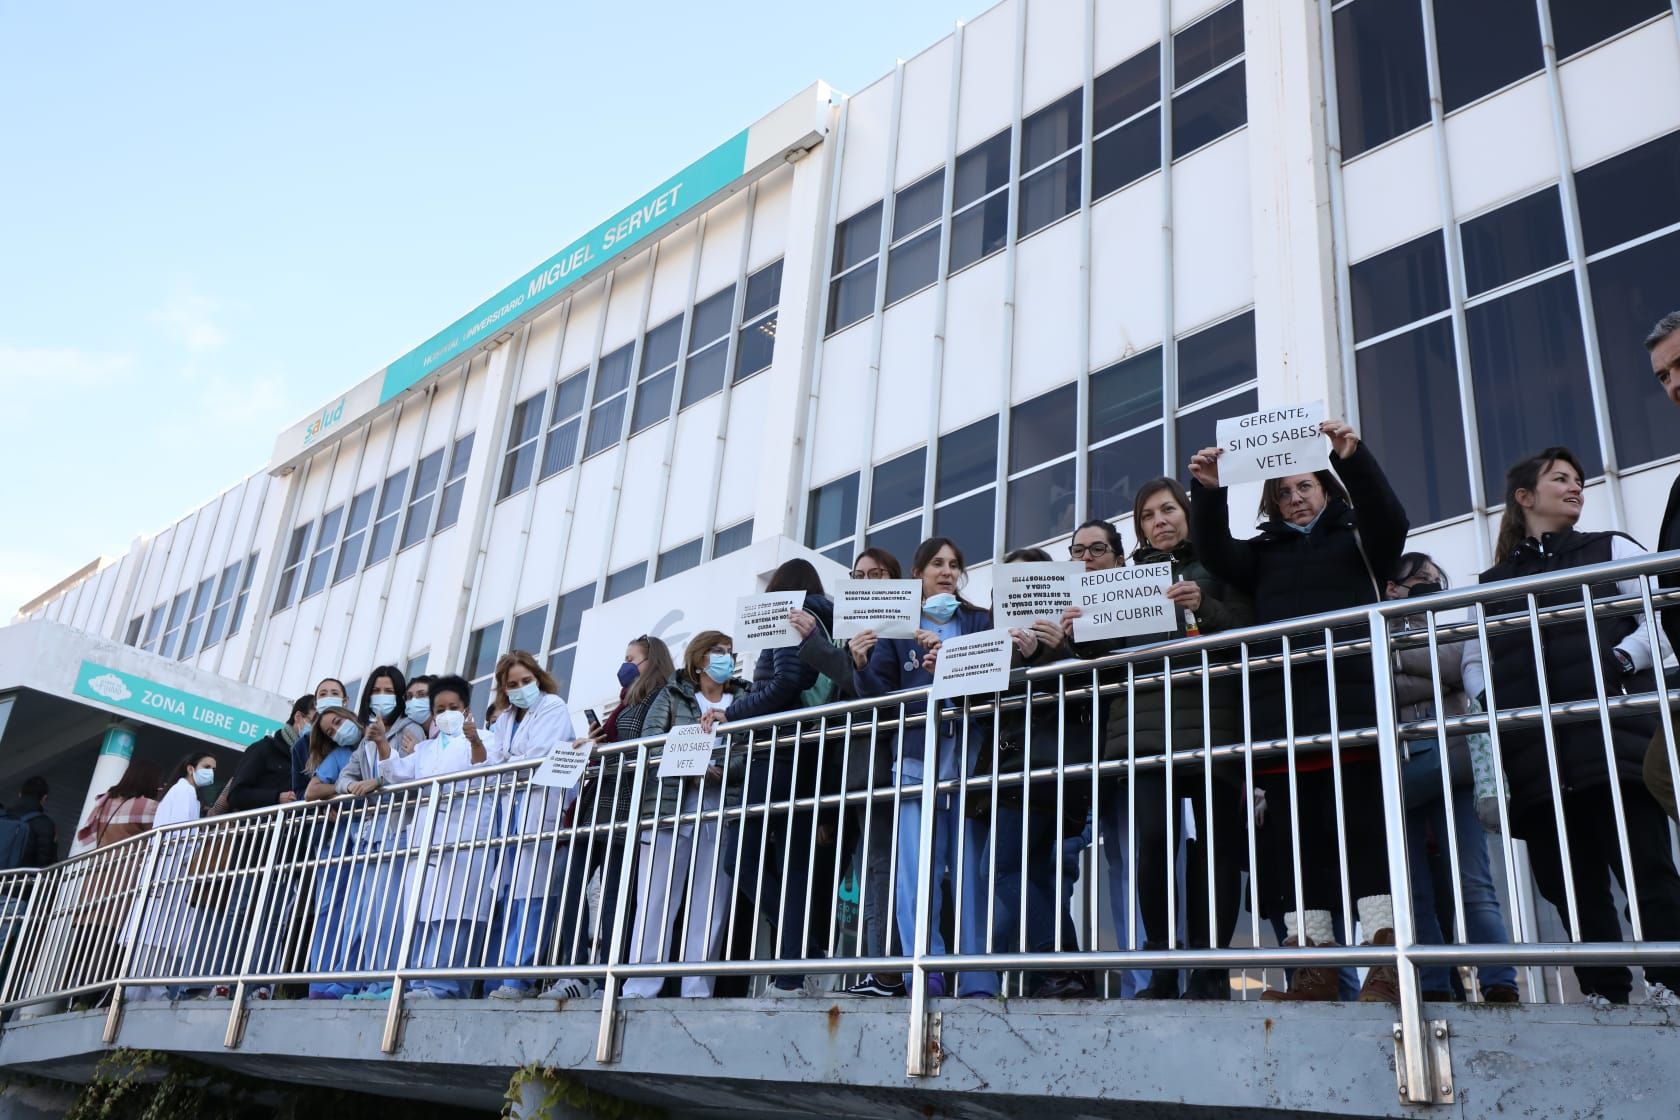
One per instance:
[(167, 919), (530, 867), (460, 880)]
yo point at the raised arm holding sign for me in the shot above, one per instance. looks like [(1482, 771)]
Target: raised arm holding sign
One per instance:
[(1272, 444)]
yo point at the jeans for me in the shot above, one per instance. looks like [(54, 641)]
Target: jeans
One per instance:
[(1483, 922), (1113, 829), (526, 935), (951, 835)]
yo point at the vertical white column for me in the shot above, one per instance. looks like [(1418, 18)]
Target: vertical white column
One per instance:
[(115, 751)]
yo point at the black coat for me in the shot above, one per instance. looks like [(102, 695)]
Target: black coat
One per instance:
[(1567, 653), (1668, 539), (1288, 574), (264, 773)]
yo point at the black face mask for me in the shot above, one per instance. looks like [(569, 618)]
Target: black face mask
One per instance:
[(1427, 587)]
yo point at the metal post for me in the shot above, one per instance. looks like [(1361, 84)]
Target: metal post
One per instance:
[(113, 1021), (918, 1063), (393, 1014), (606, 1050), (236, 1017)]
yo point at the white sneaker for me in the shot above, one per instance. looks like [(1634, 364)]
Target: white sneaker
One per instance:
[(509, 993), (1598, 1002), (774, 990), (1658, 995), (420, 993), (568, 988)]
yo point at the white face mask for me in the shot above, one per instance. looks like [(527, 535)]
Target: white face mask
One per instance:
[(451, 723)]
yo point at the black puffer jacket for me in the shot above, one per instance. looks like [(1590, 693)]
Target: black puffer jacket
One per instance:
[(1569, 676), (264, 773), (1288, 574)]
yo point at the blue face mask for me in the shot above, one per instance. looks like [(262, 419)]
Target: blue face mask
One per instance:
[(347, 735), (941, 607), (324, 702), (418, 709), (303, 732), (627, 674), (203, 776), (383, 703), (720, 667), (524, 696)]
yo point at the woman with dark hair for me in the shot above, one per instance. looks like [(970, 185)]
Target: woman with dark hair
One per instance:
[(1317, 550), (604, 808), (780, 680), (160, 929), (1544, 498), (897, 664)]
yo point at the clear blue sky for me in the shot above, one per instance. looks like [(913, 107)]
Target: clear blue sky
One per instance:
[(214, 216)]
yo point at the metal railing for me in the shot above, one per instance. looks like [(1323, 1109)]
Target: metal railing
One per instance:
[(1033, 851)]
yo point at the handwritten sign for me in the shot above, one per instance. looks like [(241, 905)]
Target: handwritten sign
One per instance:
[(688, 751), (890, 607), (1123, 602), (1024, 593), (761, 621), (972, 664), (1272, 444), (564, 764)]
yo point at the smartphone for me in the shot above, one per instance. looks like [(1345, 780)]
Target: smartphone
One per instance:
[(594, 720)]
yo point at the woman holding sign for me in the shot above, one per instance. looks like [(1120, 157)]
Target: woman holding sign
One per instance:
[(896, 664), (706, 683), (1317, 549)]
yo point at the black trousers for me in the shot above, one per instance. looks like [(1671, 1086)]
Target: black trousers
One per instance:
[(1595, 857), (1156, 861), (1362, 819)]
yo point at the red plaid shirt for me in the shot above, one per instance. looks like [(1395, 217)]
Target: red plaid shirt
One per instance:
[(108, 810)]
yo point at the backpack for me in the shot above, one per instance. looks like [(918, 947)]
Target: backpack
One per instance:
[(14, 838)]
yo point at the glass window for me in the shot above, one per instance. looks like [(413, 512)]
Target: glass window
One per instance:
[(385, 520), (708, 347), (1051, 131), (195, 618), (1629, 195), (1400, 286), (833, 512), (353, 692), (226, 586), (295, 551), (967, 521), (1631, 290), (1049, 195), (1218, 358), (981, 170), (1126, 394), (131, 637), (416, 666), (449, 505), (897, 485), (660, 346), (521, 457), (732, 539), (568, 613), (1484, 46), (851, 298), (712, 317), (678, 559), (918, 205), (967, 459), (561, 441), (625, 580), (704, 372), (560, 667), (417, 522), (979, 231), (1043, 428), (1210, 42), (1579, 24), (606, 418), (355, 533), (529, 629), (1529, 368), (244, 593), (154, 625), (1409, 414), (899, 539), (482, 647), (1040, 505), (659, 375), (320, 563), (1195, 430), (1210, 110), (1129, 153), (755, 342), (1382, 87), (857, 239), (913, 266), (172, 632), (1126, 90), (1516, 240), (1117, 470)]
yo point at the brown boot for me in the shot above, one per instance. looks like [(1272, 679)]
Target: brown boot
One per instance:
[(1317, 985), (1382, 982)]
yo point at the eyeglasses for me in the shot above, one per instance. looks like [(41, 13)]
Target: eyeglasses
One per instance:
[(873, 573), (1080, 551)]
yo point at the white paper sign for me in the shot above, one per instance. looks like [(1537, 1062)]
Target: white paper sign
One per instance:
[(1024, 593), (972, 664), (761, 621), (890, 607), (1125, 601), (564, 764), (688, 751), (1271, 444)]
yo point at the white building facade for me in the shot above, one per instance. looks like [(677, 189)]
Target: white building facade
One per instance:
[(984, 297)]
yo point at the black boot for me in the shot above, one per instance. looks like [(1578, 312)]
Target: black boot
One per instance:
[(1208, 983), (1163, 982)]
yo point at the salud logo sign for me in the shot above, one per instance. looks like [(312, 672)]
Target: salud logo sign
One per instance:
[(185, 710)]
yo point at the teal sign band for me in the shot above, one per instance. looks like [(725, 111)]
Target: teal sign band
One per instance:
[(118, 689), (659, 207), (119, 741)]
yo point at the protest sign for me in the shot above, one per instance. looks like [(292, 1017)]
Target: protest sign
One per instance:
[(1024, 593), (761, 621), (890, 607), (1271, 444), (564, 764), (688, 751), (972, 664), (1123, 602)]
